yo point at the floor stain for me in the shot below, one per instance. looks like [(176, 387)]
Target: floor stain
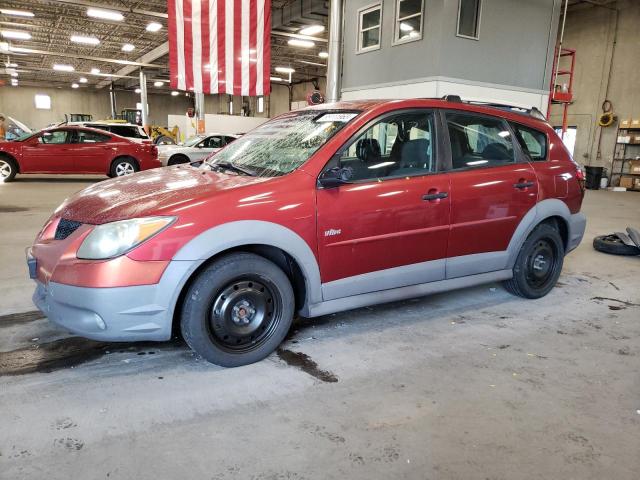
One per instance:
[(306, 364), (18, 318), (12, 209), (624, 302), (63, 353)]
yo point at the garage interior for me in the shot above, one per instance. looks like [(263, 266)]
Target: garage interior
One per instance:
[(473, 383)]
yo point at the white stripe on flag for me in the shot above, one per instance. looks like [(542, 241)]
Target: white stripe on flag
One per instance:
[(229, 32), (260, 48), (196, 6), (213, 44), (180, 45), (245, 54)]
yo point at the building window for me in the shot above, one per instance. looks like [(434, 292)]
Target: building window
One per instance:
[(408, 26), (469, 19), (369, 27), (260, 104), (43, 102)]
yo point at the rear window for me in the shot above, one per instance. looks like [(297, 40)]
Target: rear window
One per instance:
[(532, 142)]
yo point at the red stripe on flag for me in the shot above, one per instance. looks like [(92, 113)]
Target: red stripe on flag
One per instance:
[(222, 39), (237, 47), (188, 45), (266, 45), (173, 55), (204, 42), (253, 31)]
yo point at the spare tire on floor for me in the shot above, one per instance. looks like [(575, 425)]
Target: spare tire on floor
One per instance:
[(614, 245)]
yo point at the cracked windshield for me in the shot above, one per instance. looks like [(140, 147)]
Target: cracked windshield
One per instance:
[(281, 145)]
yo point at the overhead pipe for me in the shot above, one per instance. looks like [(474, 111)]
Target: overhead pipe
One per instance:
[(334, 62)]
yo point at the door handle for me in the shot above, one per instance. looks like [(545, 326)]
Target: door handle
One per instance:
[(435, 196), (523, 185)]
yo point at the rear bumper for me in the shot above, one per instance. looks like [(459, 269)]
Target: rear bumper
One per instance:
[(577, 226)]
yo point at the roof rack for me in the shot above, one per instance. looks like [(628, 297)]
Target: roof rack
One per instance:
[(532, 112)]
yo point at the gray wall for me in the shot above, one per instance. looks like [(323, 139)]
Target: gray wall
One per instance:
[(591, 31), (513, 47)]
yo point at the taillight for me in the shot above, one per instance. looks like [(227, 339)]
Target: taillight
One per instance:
[(580, 176)]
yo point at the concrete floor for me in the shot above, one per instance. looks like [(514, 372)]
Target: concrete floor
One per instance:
[(474, 384)]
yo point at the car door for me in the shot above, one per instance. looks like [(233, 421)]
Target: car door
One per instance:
[(206, 147), (492, 189), (48, 152), (92, 151), (388, 226)]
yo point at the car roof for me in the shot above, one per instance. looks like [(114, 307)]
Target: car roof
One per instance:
[(108, 124), (514, 113)]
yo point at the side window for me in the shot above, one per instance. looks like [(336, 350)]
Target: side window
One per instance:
[(478, 141), (54, 137), (399, 145), (212, 142), (228, 140), (128, 132), (85, 136), (532, 142), (369, 28)]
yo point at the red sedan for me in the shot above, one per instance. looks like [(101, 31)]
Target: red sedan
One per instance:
[(75, 150)]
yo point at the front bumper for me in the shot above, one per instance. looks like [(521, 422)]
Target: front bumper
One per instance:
[(577, 226), (115, 314)]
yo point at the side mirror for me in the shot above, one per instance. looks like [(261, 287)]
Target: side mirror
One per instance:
[(334, 177)]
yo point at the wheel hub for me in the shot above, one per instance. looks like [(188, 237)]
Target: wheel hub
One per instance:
[(243, 314), (541, 263)]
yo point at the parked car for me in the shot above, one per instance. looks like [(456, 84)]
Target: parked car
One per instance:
[(318, 211), (127, 130), (75, 150), (194, 149)]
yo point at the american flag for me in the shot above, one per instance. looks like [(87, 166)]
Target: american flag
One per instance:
[(220, 46)]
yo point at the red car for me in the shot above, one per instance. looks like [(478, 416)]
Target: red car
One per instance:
[(75, 150), (320, 210)]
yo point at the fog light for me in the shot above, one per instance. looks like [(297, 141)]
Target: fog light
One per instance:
[(100, 322)]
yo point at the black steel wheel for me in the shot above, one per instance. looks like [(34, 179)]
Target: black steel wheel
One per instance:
[(614, 245), (538, 264), (237, 310)]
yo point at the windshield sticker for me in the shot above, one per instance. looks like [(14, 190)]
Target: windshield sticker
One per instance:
[(336, 117)]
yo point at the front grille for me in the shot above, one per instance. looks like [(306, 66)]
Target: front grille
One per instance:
[(66, 228)]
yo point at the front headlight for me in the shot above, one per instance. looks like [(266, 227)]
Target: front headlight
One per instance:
[(116, 238)]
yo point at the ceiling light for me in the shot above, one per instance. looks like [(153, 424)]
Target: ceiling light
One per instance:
[(83, 39), (63, 68), (83, 80), (158, 84), (154, 27), (294, 42), (323, 55), (127, 47), (10, 65), (175, 94), (137, 90), (275, 79), (74, 85), (14, 82), (105, 14), (312, 30), (16, 35), (405, 27), (285, 70), (14, 74), (95, 71), (17, 13)]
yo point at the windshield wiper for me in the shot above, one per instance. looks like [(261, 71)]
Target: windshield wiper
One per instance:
[(234, 167)]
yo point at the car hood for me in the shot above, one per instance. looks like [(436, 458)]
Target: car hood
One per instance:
[(161, 191)]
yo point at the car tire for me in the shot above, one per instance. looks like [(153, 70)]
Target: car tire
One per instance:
[(8, 169), (177, 160), (614, 245), (237, 310), (123, 166), (164, 140), (539, 263)]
